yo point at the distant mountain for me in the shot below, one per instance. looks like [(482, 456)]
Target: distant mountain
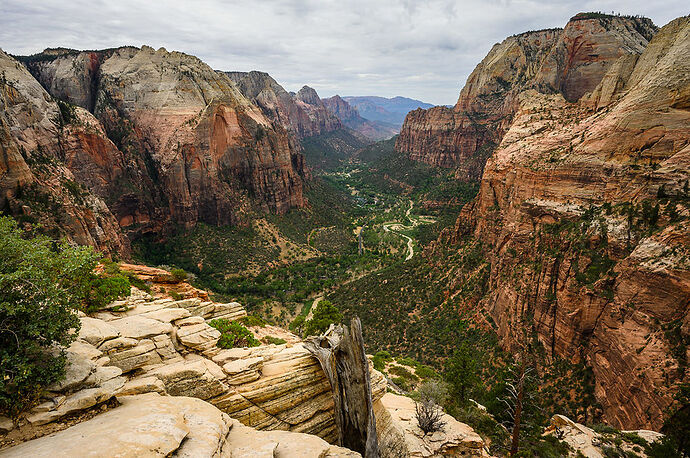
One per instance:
[(349, 116), (391, 111)]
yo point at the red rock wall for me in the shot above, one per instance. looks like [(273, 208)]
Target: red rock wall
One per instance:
[(556, 162)]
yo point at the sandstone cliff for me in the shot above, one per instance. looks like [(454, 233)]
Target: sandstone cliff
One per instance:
[(50, 160), (594, 198), (160, 137), (299, 118), (570, 61), (323, 119)]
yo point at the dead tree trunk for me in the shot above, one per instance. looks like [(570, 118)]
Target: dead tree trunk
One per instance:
[(519, 398), (340, 352)]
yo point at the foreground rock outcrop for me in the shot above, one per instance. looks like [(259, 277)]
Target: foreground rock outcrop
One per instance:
[(586, 442), (570, 61), (145, 377), (154, 425), (583, 218), (400, 436)]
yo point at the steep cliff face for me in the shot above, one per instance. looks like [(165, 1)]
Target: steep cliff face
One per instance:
[(279, 106), (46, 150), (350, 117), (570, 61), (191, 147), (584, 217), (323, 119)]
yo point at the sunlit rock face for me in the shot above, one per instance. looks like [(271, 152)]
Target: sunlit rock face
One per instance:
[(583, 211)]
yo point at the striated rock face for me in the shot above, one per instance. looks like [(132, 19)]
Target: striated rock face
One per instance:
[(596, 205), (167, 347), (350, 117), (160, 137), (571, 61), (281, 107), (154, 425), (49, 167)]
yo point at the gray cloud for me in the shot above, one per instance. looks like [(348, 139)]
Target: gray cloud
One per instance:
[(421, 49)]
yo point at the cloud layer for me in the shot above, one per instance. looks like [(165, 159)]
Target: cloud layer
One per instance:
[(419, 49)]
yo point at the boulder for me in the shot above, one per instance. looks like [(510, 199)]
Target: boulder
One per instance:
[(139, 327), (143, 385), (190, 379), (200, 337), (146, 425), (133, 358), (81, 400), (243, 370), (95, 331), (245, 442), (400, 436)]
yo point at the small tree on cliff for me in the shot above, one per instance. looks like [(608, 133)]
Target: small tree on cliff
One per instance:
[(324, 315), (462, 373), (42, 283)]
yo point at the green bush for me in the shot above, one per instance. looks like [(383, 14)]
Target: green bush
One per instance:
[(324, 315), (402, 372), (274, 340), (253, 320), (41, 285), (233, 334), (380, 359), (176, 296), (106, 289), (179, 274)]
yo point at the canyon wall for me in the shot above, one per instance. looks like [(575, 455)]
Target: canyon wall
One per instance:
[(302, 119), (570, 61), (158, 136), (583, 213)]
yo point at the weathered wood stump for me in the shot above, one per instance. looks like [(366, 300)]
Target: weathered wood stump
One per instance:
[(341, 354)]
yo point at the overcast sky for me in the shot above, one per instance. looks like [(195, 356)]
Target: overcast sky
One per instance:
[(419, 49)]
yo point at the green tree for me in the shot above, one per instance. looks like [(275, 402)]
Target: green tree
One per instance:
[(42, 283), (462, 373), (324, 315)]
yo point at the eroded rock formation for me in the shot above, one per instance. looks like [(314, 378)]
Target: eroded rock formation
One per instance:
[(583, 213), (570, 61), (161, 426), (149, 137), (302, 118)]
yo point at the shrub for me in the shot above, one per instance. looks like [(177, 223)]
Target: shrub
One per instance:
[(233, 334), (402, 372), (106, 289), (176, 296), (380, 359), (324, 315), (429, 416), (252, 320), (274, 340), (179, 274), (40, 287)]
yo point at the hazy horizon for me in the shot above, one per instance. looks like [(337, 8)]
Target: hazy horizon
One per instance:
[(419, 50)]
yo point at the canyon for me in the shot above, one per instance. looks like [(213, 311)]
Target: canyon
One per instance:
[(558, 187)]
